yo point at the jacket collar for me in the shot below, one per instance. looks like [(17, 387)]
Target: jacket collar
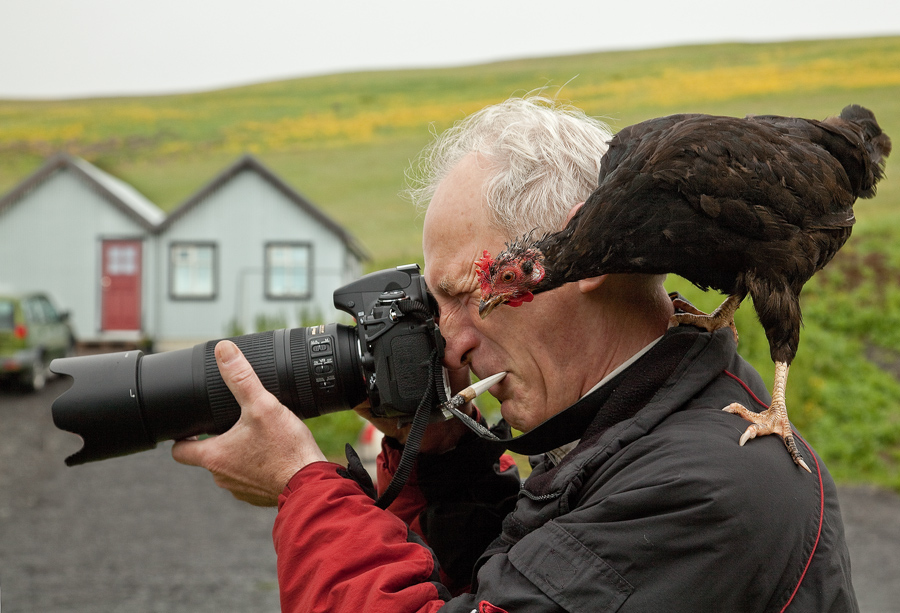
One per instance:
[(673, 371)]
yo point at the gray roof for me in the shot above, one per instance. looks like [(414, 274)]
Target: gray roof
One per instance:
[(124, 192), (116, 192), (248, 162)]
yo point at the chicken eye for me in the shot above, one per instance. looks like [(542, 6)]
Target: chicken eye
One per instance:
[(507, 276)]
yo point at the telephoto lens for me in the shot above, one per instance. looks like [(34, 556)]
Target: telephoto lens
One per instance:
[(126, 402), (122, 403)]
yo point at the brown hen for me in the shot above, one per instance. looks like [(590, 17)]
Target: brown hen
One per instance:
[(744, 206)]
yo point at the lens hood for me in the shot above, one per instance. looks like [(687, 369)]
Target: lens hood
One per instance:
[(102, 406)]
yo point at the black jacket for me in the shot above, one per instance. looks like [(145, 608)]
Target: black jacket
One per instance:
[(658, 508)]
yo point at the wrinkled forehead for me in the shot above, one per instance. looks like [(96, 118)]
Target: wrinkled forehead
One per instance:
[(456, 228)]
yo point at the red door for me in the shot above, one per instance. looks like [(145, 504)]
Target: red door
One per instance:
[(120, 283)]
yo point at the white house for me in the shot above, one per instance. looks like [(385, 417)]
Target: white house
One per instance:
[(244, 247)]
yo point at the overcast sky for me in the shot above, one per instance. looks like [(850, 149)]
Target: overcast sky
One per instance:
[(67, 48)]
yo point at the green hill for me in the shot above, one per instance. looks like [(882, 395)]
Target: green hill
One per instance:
[(346, 140)]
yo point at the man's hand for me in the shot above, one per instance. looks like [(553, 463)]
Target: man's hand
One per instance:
[(257, 457)]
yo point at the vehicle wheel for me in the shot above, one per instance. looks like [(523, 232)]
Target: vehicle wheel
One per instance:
[(36, 380)]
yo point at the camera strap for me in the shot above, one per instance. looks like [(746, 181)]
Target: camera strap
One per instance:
[(420, 421), (559, 430)]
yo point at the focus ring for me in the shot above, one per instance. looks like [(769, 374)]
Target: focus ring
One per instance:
[(302, 384)]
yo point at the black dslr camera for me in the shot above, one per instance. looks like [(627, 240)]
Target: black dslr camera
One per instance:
[(126, 402)]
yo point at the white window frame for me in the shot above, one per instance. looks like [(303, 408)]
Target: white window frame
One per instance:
[(202, 280), (281, 274)]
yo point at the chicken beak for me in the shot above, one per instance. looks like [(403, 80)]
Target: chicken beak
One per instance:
[(486, 306)]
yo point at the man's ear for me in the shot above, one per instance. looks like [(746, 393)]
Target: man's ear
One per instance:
[(571, 214), (586, 286)]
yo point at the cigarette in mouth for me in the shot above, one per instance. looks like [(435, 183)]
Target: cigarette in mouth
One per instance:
[(473, 391)]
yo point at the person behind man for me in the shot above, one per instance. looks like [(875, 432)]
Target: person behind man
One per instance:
[(653, 507)]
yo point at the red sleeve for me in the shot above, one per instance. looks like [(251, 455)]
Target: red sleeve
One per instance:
[(338, 552), (410, 502)]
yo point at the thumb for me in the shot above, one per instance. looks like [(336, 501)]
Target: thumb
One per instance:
[(242, 381), (191, 451), (239, 376)]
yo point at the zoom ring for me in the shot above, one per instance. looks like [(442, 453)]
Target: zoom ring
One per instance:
[(259, 351)]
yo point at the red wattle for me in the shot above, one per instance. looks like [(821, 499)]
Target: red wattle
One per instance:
[(527, 297)]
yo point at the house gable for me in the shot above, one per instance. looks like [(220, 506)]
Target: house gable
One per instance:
[(116, 193), (248, 163), (52, 226), (245, 220)]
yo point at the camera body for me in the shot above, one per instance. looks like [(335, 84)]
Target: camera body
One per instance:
[(396, 334), (122, 403)]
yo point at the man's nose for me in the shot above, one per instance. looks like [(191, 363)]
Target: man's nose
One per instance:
[(460, 338)]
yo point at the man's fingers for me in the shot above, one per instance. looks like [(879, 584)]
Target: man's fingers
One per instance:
[(257, 457), (238, 374), (190, 452)]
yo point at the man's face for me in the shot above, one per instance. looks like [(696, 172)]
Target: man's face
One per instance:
[(540, 345)]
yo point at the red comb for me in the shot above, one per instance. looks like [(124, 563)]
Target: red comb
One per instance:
[(485, 261), (483, 273)]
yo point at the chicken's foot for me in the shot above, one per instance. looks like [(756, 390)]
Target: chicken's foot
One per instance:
[(773, 420), (721, 317)]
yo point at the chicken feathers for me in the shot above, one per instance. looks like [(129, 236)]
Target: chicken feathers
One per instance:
[(743, 206)]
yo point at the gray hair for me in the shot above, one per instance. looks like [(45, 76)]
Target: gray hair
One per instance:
[(545, 158)]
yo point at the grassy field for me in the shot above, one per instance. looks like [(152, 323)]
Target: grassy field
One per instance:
[(346, 140)]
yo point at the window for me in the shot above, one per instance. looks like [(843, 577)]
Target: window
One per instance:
[(192, 271), (122, 260), (34, 314), (43, 311), (288, 270), (7, 315)]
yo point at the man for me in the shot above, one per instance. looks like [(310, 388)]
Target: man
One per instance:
[(653, 507)]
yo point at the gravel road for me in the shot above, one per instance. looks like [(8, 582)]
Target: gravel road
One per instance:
[(144, 534)]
